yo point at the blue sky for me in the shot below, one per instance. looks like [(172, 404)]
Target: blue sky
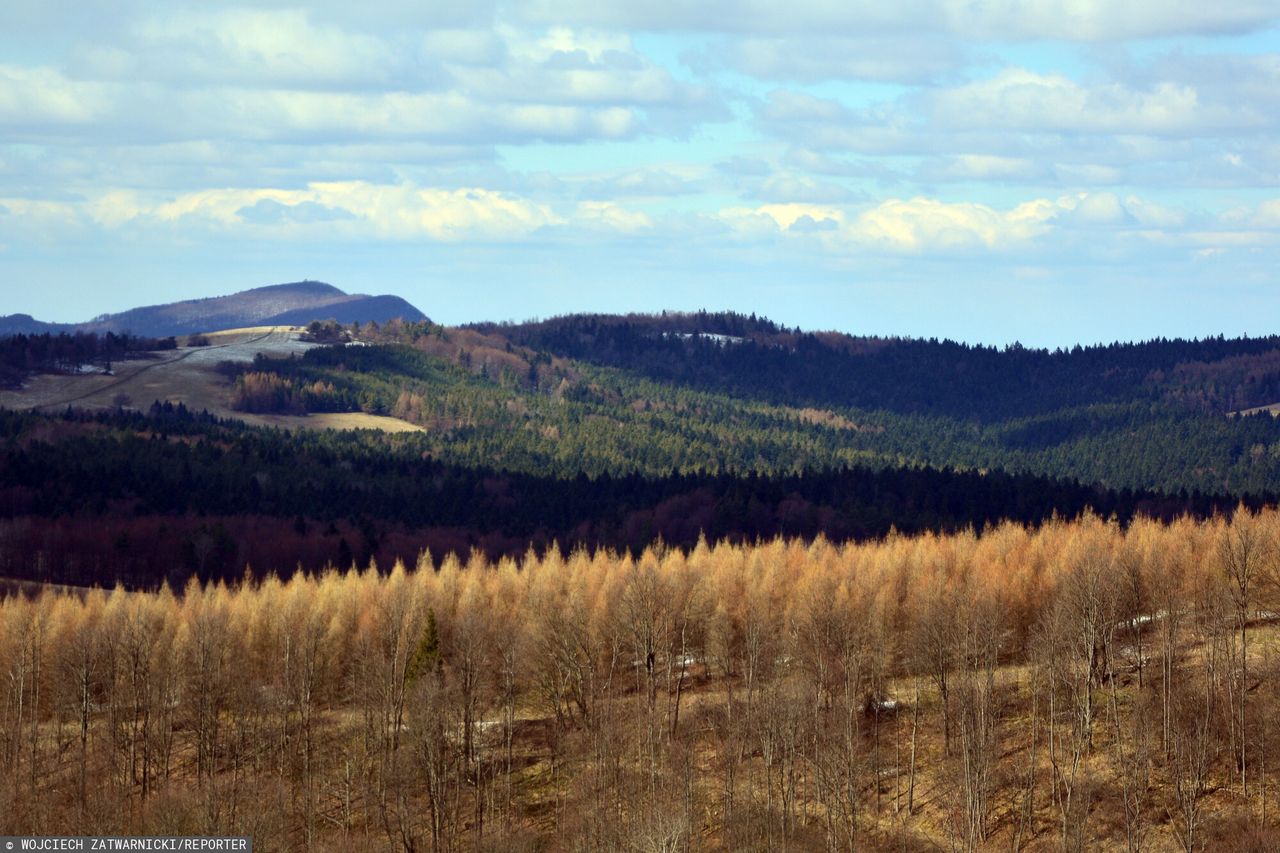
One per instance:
[(1009, 170)]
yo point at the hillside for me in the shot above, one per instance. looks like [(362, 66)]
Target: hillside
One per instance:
[(617, 400), (754, 357), (1075, 686), (719, 393), (52, 372), (275, 305)]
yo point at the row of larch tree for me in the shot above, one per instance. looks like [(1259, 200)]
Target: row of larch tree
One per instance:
[(1076, 685)]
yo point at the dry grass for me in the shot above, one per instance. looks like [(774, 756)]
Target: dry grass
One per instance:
[(332, 420), (188, 376), (1273, 409)]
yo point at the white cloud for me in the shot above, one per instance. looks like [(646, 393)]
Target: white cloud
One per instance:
[(463, 46), (34, 97), (263, 47), (1019, 99), (269, 212), (1265, 214), (265, 116), (1042, 128), (923, 224), (49, 19), (1108, 210), (37, 213), (1077, 223), (291, 76), (1268, 214), (1090, 209), (1250, 80), (28, 222), (1051, 106), (608, 216), (113, 208), (1079, 20), (658, 182), (382, 211), (333, 210), (1104, 20), (1154, 215), (767, 222), (907, 58), (562, 43), (981, 167), (1088, 174), (791, 186), (345, 209)]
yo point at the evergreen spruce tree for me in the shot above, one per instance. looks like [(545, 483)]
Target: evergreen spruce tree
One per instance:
[(426, 657)]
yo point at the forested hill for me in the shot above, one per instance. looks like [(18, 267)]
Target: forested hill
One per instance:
[(638, 397), (92, 499), (733, 394), (753, 357)]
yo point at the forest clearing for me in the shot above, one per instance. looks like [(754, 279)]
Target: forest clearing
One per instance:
[(189, 375), (1076, 685)]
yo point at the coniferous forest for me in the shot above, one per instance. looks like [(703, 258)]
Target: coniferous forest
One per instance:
[(722, 392), (80, 493)]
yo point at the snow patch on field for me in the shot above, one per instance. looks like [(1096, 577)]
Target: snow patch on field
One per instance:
[(189, 376)]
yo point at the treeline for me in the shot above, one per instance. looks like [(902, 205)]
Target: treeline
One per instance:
[(1078, 685), (119, 469), (911, 376), (144, 551), (23, 355)]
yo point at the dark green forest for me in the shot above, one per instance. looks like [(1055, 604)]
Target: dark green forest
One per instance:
[(615, 432), (622, 395), (74, 487), (747, 356)]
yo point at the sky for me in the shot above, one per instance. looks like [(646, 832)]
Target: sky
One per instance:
[(982, 170)]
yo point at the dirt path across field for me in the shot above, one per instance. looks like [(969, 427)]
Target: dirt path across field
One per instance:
[(121, 381), (190, 377)]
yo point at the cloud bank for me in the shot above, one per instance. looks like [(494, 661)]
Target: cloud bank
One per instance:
[(865, 143)]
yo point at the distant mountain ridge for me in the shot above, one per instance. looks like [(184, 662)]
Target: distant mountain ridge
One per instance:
[(295, 303)]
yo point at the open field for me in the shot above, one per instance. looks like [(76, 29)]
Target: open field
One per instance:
[(189, 376), (1273, 409), (330, 420), (1076, 686)]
